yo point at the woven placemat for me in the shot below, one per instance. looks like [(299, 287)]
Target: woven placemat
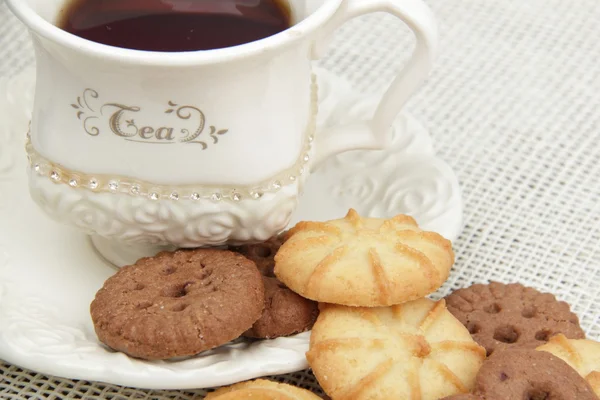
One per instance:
[(513, 106)]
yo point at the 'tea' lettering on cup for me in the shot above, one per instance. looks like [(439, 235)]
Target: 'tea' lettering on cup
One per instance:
[(121, 121)]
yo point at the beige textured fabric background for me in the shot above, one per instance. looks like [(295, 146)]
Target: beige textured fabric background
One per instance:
[(513, 106)]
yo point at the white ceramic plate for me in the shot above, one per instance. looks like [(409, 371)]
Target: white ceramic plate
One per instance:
[(49, 273)]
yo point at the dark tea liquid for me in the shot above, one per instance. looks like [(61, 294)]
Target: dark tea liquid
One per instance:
[(174, 25)]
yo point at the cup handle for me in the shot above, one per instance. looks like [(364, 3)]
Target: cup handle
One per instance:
[(373, 134)]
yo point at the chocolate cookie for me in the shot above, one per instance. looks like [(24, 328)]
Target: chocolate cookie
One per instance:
[(263, 254), (529, 374), (178, 303), (285, 312), (500, 316)]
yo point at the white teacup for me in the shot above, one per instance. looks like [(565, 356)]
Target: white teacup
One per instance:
[(194, 148)]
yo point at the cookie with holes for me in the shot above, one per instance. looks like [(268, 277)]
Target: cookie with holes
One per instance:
[(531, 375), (581, 354), (286, 313), (262, 389), (367, 262), (178, 303), (502, 316), (263, 254), (415, 350)]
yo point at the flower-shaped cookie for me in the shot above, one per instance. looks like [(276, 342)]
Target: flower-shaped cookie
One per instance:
[(366, 262), (416, 350), (262, 389), (581, 354)]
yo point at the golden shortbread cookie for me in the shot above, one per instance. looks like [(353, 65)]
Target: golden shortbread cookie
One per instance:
[(262, 389), (367, 262), (583, 355), (416, 350)]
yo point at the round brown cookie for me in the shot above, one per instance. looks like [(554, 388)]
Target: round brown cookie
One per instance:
[(531, 375), (501, 316), (285, 312), (178, 303), (263, 254)]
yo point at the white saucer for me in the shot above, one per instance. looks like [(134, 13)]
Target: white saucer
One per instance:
[(49, 273)]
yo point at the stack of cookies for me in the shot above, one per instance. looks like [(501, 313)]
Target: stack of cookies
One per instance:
[(181, 303), (376, 335), (535, 346)]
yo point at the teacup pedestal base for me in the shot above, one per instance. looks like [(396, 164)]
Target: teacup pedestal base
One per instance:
[(120, 254)]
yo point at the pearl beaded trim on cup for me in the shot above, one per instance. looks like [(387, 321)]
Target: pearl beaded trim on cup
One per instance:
[(104, 183)]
